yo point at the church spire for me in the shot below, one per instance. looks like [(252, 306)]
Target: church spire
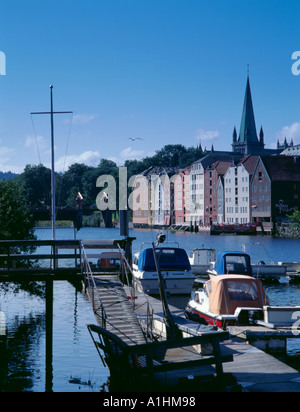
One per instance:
[(248, 132)]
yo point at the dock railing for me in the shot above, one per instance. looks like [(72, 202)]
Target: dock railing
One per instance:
[(17, 256), (92, 288)]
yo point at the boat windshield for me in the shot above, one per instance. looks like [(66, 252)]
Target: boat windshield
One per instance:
[(168, 259), (237, 264), (242, 291)]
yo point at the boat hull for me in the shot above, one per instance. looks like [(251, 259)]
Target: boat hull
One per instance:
[(272, 272), (211, 320), (200, 270), (177, 286)]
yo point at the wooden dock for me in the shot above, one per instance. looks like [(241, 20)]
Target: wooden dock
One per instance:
[(256, 371), (134, 359), (253, 369)]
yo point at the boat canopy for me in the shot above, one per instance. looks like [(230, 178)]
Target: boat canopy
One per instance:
[(228, 292), (233, 263), (168, 259)]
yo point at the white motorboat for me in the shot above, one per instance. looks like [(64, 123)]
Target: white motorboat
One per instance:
[(201, 261), (174, 266), (271, 271)]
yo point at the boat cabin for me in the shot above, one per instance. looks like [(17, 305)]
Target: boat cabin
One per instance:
[(226, 293), (171, 259), (109, 260), (233, 263)]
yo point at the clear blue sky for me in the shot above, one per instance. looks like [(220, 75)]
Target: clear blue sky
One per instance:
[(167, 71)]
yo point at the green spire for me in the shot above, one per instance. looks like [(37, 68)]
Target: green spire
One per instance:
[(248, 128)]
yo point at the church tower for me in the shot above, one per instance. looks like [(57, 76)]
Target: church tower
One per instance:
[(248, 142)]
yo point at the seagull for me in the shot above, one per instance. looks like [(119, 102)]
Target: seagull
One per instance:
[(134, 138)]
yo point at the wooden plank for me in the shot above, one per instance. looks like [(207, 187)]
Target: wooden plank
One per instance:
[(259, 372)]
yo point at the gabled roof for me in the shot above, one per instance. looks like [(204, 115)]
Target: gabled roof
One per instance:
[(208, 160), (282, 168), (249, 162), (221, 166)]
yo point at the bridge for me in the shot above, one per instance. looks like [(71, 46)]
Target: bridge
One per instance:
[(70, 213)]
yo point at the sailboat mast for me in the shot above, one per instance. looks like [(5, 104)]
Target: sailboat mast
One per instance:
[(52, 166), (53, 217)]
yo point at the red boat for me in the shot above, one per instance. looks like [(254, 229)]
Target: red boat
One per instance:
[(228, 300)]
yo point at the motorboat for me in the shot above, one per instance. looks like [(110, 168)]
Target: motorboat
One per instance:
[(239, 263), (268, 271), (201, 260), (174, 266), (109, 261), (228, 300), (231, 263)]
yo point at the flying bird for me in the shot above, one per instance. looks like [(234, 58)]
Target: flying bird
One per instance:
[(134, 138)]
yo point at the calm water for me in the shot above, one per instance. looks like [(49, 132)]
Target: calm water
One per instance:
[(76, 365)]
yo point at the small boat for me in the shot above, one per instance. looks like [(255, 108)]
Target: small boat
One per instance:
[(109, 261), (174, 266), (201, 260), (291, 266), (268, 272), (239, 263), (228, 300), (231, 263)]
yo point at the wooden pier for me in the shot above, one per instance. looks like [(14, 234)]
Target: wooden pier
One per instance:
[(136, 361), (253, 369), (128, 324)]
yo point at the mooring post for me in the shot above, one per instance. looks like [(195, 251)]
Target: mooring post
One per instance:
[(49, 335)]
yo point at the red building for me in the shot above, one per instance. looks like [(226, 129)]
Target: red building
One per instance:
[(211, 177)]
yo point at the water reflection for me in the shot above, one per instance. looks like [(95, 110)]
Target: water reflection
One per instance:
[(19, 360), (73, 364)]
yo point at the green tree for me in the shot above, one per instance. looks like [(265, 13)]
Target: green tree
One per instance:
[(16, 222), (295, 219), (36, 182)]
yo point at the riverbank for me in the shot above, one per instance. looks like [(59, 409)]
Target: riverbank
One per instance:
[(288, 231)]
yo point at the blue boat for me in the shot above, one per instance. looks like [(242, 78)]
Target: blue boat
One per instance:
[(239, 263), (174, 266), (232, 263)]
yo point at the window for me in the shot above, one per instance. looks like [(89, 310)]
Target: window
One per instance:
[(242, 291)]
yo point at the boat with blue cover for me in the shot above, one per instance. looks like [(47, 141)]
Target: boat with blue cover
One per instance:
[(239, 263), (174, 266)]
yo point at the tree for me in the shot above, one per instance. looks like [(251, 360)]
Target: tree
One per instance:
[(16, 221), (36, 182), (295, 219)]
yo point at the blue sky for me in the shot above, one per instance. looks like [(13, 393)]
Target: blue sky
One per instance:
[(167, 71)]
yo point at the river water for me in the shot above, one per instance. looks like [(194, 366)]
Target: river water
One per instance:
[(76, 366)]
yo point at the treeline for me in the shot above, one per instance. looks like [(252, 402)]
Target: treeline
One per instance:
[(36, 179)]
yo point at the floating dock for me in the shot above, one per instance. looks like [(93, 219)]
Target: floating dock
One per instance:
[(253, 369)]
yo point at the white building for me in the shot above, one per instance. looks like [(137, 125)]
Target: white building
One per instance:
[(196, 205), (237, 191)]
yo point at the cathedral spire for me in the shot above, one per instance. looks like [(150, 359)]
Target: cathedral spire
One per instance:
[(248, 132)]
